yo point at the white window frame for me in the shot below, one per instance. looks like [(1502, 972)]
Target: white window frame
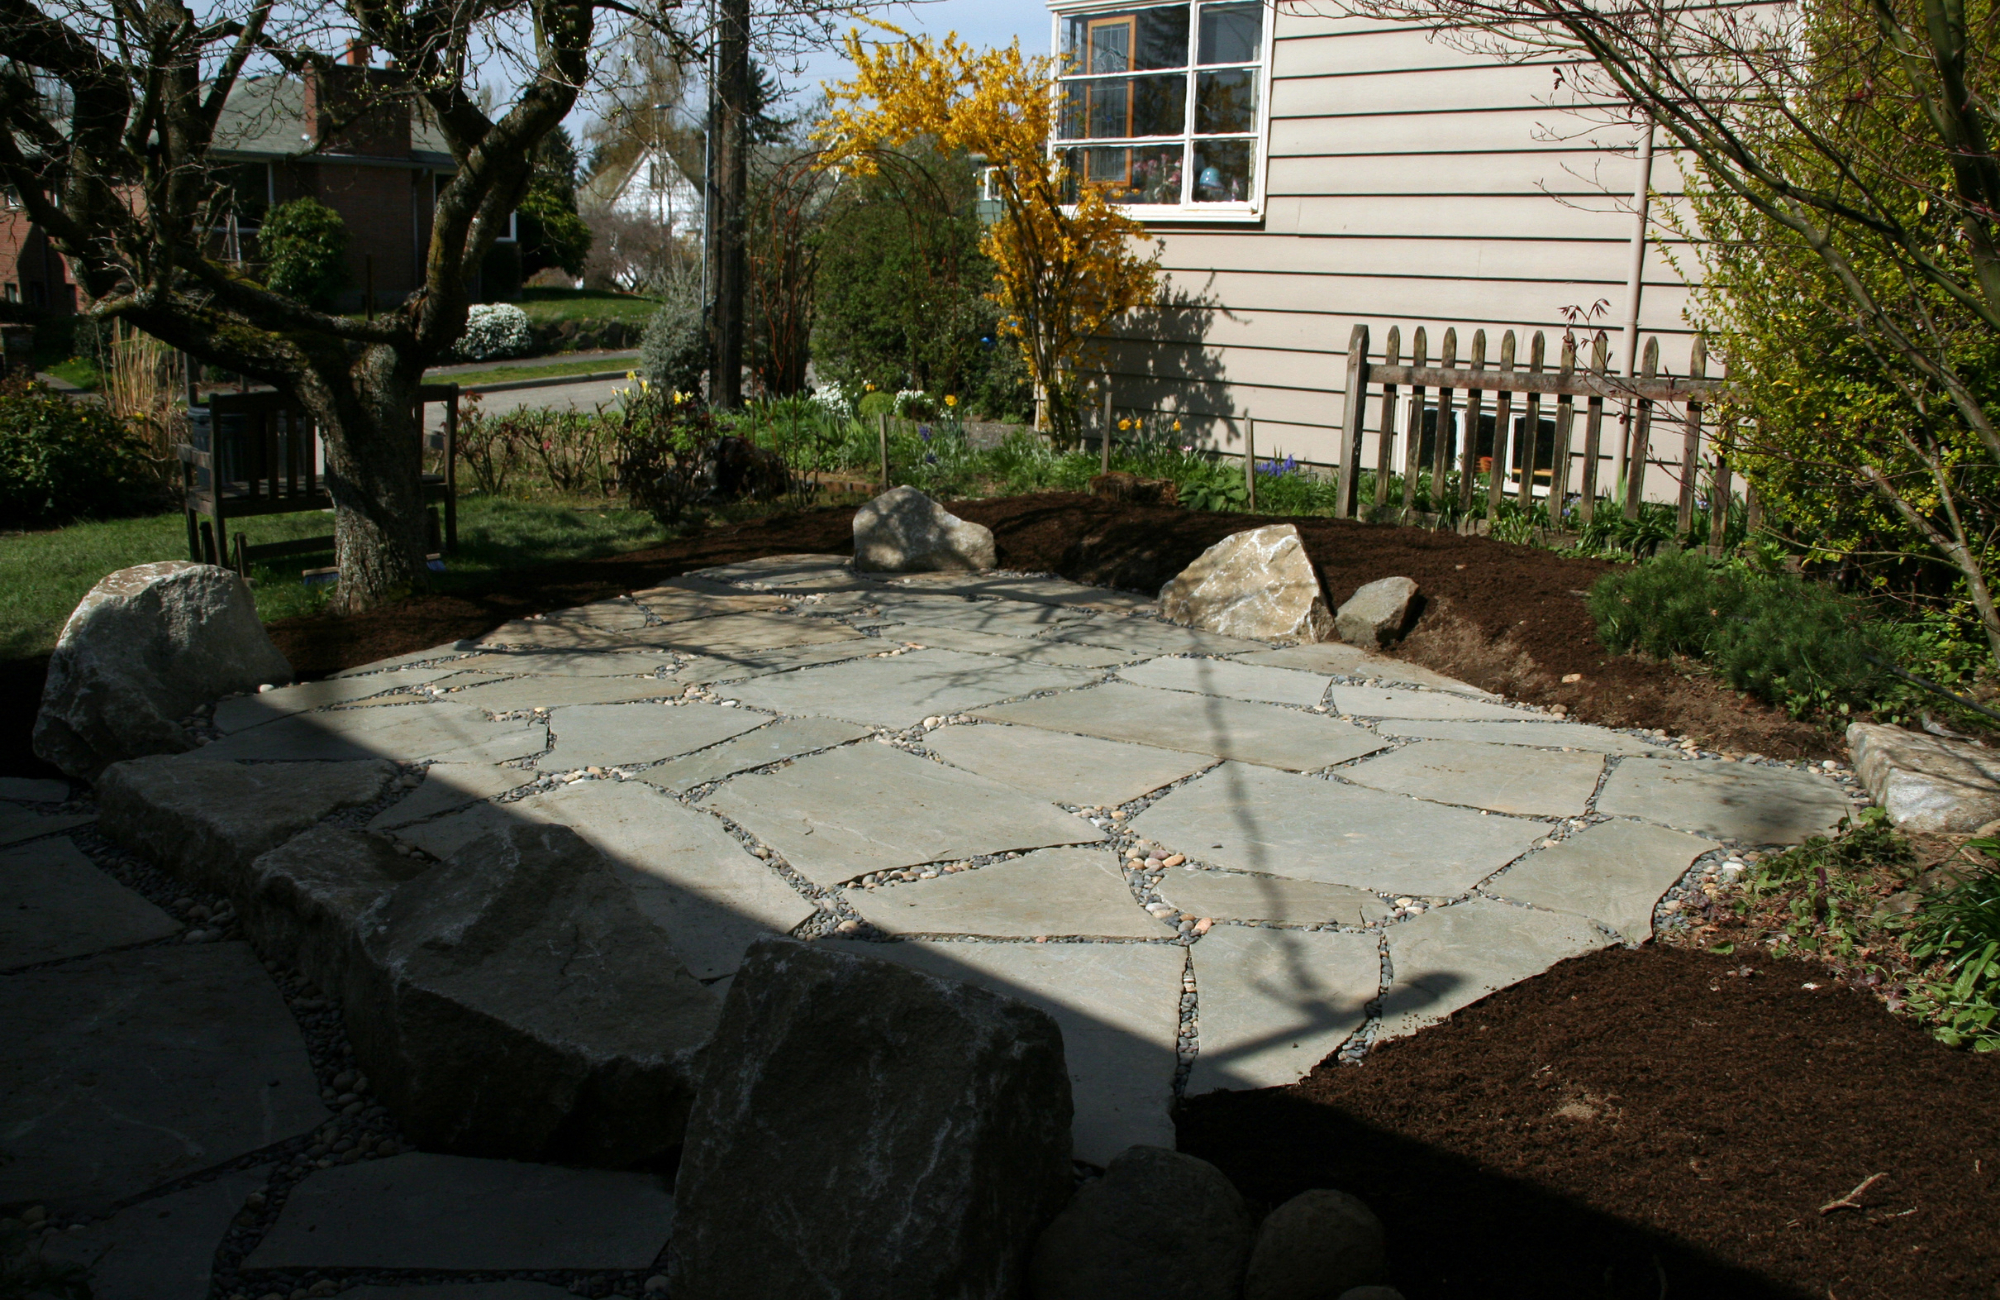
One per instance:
[(1249, 211)]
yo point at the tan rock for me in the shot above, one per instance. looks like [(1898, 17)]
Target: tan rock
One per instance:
[(904, 531), (1924, 782), (1257, 584)]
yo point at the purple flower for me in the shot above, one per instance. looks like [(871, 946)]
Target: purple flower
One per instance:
[(924, 431)]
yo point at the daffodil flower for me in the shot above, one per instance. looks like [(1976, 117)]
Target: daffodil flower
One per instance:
[(949, 400)]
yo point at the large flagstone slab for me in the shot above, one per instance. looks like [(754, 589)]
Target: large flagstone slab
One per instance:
[(557, 663), (1118, 1005), (1612, 872), (1067, 654), (439, 652), (869, 808), (903, 690), (1047, 591), (55, 902), (406, 733), (1233, 896), (18, 825), (728, 634), (162, 1248), (1048, 893), (1342, 660), (1392, 702), (1757, 805), (268, 706), (1255, 819), (1197, 724), (451, 785), (1151, 636), (787, 571), (1081, 771), (1453, 956), (1275, 1003), (1003, 617), (424, 1211), (703, 670), (1225, 677), (787, 738), (564, 636), (676, 602), (520, 694), (126, 1070), (1503, 778), (616, 735), (1540, 735)]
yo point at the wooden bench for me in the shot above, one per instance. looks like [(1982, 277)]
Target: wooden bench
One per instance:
[(259, 453)]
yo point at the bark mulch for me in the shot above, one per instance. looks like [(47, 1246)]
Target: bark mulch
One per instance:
[(1631, 1124), (1645, 1123)]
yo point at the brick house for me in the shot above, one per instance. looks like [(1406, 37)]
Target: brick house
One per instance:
[(281, 138)]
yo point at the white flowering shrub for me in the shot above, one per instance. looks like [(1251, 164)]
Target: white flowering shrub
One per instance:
[(831, 401), (494, 329)]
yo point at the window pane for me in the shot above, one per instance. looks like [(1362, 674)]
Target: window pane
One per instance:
[(1120, 107), (1140, 174), (1225, 102), (1222, 170), (1133, 41), (1231, 33)]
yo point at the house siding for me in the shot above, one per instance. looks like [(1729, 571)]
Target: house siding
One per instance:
[(1409, 183)]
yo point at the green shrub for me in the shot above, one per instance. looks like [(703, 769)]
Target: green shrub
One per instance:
[(674, 352), (875, 405), (666, 445), (1790, 642), (62, 460), (304, 246)]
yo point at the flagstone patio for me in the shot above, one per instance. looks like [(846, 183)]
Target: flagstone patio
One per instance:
[(1214, 861)]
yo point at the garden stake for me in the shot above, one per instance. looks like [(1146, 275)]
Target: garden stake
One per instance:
[(1106, 449), (884, 418), (1249, 464)]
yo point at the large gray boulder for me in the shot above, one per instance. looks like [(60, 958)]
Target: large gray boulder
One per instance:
[(867, 1130), (904, 531), (1319, 1245), (141, 651), (305, 898), (514, 1002), (206, 822), (1158, 1226), (1926, 783), (1378, 613), (1258, 585)]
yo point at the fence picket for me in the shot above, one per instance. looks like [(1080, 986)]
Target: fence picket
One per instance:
[(1593, 430), (1691, 438), (1414, 441), (1468, 461), (1441, 428), (1503, 412), (1531, 424), (1641, 449), (1565, 422), (1351, 422), (1385, 447)]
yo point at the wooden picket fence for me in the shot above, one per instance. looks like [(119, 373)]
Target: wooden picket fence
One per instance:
[(1447, 389)]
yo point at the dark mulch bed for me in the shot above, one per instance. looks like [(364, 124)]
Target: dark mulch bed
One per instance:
[(1508, 618), (1647, 1123)]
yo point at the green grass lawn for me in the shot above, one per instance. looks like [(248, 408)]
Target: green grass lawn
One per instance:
[(76, 370), (550, 371), (44, 575), (545, 305)]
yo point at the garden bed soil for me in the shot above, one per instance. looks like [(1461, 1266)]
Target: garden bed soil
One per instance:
[(1645, 1123), (1504, 617)]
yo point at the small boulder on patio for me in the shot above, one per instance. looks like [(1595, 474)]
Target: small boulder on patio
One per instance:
[(1257, 584), (1378, 614), (904, 531)]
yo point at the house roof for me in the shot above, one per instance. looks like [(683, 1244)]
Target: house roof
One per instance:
[(604, 190), (265, 118)]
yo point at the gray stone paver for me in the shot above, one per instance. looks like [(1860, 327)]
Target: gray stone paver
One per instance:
[(1256, 819), (1235, 896), (519, 694), (1062, 768), (1048, 893), (556, 663), (786, 571), (407, 732), (1067, 654), (422, 1211), (268, 706), (1614, 872), (1541, 735), (18, 825), (1453, 956), (128, 1069), (702, 670), (1341, 659), (766, 745), (1758, 805), (1197, 724), (1275, 1003), (159, 1249), (54, 902), (1503, 778), (903, 690), (1003, 617), (1118, 1007), (671, 603), (871, 808), (1224, 677), (1048, 591), (746, 633), (614, 735), (1150, 636), (26, 789), (448, 786), (1393, 702)]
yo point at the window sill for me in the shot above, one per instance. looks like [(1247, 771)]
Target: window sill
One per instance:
[(1205, 215)]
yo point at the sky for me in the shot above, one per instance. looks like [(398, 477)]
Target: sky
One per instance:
[(980, 22)]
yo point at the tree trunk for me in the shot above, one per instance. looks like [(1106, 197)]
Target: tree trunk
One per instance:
[(374, 459), (730, 151)]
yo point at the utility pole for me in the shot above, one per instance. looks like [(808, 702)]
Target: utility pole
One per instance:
[(729, 175)]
